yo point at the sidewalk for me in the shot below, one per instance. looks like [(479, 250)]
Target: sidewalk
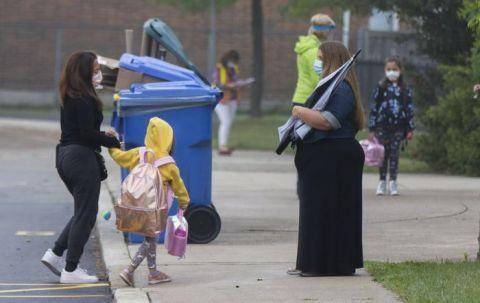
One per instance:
[(435, 217), (255, 196)]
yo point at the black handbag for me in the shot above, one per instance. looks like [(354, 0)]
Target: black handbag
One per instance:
[(101, 165)]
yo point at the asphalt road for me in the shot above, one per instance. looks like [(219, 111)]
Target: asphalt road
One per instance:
[(34, 207)]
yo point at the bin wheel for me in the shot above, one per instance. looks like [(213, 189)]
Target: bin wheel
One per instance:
[(203, 224)]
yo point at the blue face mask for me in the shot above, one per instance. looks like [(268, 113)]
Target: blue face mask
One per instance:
[(318, 66)]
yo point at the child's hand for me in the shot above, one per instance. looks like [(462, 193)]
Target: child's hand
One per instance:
[(409, 135)]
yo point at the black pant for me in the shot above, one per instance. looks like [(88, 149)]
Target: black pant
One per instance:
[(79, 170)]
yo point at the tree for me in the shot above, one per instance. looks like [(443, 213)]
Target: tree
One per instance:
[(440, 32), (453, 124), (471, 12), (257, 33), (257, 40)]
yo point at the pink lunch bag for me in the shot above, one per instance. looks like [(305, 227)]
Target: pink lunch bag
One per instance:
[(374, 152), (176, 235)]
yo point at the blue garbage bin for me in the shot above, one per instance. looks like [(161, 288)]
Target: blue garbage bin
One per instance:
[(186, 103)]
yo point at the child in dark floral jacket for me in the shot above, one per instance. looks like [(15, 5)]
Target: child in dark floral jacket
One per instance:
[(391, 120)]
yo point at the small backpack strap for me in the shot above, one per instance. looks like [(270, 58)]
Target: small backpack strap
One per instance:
[(163, 161), (143, 154)]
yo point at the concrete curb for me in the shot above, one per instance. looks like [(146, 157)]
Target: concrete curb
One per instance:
[(115, 253)]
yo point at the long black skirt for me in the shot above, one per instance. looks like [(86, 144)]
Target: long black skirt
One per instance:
[(330, 192)]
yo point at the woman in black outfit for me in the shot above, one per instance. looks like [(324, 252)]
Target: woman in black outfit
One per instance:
[(329, 163), (79, 162)]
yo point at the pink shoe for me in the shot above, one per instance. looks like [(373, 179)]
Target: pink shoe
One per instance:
[(127, 277), (158, 277), (225, 151)]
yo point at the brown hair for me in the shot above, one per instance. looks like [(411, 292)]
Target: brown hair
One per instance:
[(230, 55), (335, 54), (76, 79), (401, 79)]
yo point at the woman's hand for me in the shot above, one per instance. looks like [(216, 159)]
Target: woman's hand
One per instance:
[(409, 135), (297, 111), (111, 133), (476, 88), (371, 136)]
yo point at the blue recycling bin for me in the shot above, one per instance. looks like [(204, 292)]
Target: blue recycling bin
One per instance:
[(186, 102)]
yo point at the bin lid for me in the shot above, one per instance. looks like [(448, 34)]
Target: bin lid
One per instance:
[(157, 68), (164, 35), (151, 97)]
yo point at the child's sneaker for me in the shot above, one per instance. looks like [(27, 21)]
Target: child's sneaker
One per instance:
[(393, 188), (53, 262), (127, 276), (158, 277), (382, 188)]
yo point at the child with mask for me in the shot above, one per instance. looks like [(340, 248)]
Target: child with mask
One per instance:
[(159, 139), (391, 120)]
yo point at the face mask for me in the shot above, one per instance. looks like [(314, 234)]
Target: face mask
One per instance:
[(97, 78), (392, 75), (231, 64), (318, 66)]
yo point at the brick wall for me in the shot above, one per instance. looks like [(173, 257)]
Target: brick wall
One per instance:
[(31, 30)]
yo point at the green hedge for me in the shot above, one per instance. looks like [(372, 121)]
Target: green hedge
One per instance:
[(451, 142)]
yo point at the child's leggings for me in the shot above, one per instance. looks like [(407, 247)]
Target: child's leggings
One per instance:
[(391, 140), (148, 249)]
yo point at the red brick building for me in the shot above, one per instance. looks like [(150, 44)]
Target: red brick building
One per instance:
[(32, 30)]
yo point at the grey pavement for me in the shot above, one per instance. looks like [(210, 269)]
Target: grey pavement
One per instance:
[(435, 217), (35, 206)]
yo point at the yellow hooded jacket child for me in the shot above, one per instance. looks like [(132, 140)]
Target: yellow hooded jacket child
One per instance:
[(159, 138)]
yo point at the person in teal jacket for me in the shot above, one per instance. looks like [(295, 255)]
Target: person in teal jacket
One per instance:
[(309, 70)]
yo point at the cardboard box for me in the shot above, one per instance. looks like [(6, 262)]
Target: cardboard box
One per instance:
[(118, 78)]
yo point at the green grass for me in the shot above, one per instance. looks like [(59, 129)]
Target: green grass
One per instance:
[(422, 282), (261, 134)]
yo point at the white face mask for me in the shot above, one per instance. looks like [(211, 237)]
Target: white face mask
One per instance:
[(318, 66), (392, 75), (231, 64), (97, 78)]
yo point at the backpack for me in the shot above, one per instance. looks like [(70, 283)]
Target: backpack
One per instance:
[(143, 204)]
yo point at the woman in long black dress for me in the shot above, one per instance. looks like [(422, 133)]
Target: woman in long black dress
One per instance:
[(329, 163)]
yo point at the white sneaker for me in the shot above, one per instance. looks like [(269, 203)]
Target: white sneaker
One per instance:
[(78, 276), (382, 188), (393, 188), (53, 262)]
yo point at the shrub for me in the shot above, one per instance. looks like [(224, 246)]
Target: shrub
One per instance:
[(451, 142)]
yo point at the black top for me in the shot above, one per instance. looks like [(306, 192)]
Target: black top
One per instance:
[(340, 107), (80, 120)]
